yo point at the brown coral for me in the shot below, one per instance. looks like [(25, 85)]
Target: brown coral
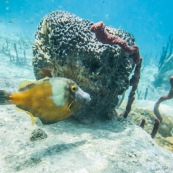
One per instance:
[(65, 46)]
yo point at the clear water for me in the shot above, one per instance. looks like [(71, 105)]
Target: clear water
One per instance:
[(149, 21)]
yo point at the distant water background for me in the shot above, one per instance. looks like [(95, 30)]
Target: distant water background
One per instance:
[(150, 21)]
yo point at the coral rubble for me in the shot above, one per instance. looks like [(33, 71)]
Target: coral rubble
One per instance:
[(65, 46)]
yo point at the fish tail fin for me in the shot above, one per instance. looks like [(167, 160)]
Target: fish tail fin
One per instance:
[(4, 97)]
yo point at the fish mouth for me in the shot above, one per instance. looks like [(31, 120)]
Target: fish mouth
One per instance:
[(82, 97)]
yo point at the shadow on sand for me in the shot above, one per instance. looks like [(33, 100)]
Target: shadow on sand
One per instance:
[(36, 158)]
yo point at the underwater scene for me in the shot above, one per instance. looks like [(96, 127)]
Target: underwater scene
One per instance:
[(86, 86)]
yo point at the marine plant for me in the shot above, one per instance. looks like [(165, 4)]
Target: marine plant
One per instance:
[(163, 98), (159, 117), (166, 52), (104, 37), (165, 64), (15, 49)]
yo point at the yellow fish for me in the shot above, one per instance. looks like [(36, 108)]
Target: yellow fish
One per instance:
[(49, 99)]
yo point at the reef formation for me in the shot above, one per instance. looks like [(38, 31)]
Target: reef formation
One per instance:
[(66, 47)]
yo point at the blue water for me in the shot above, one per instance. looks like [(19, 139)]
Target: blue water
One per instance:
[(149, 21)]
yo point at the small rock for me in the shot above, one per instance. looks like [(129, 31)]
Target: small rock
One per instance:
[(38, 134)]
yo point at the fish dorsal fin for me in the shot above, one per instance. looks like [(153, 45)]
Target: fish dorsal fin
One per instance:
[(25, 85)]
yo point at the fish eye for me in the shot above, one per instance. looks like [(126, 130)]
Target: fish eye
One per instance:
[(73, 88)]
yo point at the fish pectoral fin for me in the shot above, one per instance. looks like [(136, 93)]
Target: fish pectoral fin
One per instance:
[(32, 117), (30, 114)]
